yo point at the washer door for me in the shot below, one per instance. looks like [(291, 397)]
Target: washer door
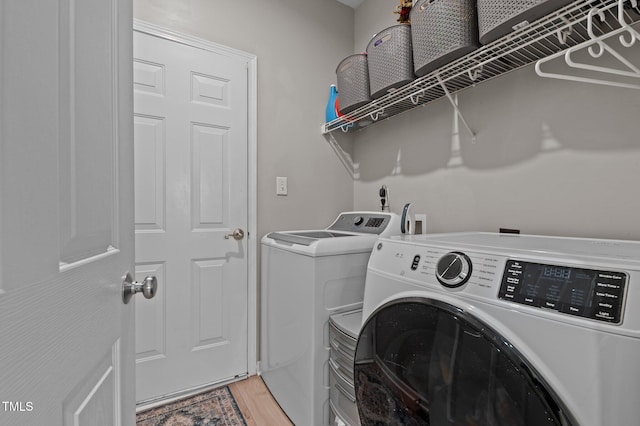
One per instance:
[(421, 361)]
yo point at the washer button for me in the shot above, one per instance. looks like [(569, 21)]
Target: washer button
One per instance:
[(416, 262)]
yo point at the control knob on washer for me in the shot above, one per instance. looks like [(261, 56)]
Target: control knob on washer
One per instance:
[(453, 269), (357, 221)]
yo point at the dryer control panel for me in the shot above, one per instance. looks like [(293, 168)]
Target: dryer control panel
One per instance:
[(589, 293), (588, 282)]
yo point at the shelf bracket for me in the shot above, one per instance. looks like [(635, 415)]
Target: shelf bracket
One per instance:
[(346, 159), (455, 107), (415, 98), (564, 33), (475, 73), (376, 114)]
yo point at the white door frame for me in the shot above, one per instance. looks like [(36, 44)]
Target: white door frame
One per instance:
[(252, 135)]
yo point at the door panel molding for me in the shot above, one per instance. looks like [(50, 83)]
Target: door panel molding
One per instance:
[(92, 402), (89, 228), (150, 146), (208, 148), (152, 344)]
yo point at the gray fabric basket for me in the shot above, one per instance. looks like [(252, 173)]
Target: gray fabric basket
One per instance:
[(390, 60), (499, 17), (442, 31), (353, 82)]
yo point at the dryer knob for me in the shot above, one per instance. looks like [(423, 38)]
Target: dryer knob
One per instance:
[(453, 269)]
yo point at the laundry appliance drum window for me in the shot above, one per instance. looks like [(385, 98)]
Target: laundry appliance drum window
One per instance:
[(421, 361)]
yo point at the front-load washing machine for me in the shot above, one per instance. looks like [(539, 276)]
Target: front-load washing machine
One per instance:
[(306, 276), (500, 329)]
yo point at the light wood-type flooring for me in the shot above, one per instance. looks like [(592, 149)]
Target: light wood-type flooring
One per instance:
[(257, 404)]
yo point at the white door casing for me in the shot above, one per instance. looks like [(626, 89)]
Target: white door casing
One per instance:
[(66, 213), (193, 187)]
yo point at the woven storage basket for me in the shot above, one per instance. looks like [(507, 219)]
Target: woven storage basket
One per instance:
[(442, 30), (499, 17), (353, 82), (390, 60)]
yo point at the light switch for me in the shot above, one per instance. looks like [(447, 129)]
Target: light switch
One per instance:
[(281, 185)]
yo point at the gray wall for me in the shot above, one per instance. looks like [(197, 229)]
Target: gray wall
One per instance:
[(298, 44), (551, 157)]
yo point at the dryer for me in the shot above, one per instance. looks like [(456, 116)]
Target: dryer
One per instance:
[(307, 276), (500, 329)]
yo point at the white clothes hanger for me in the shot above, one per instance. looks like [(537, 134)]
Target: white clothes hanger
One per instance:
[(596, 47)]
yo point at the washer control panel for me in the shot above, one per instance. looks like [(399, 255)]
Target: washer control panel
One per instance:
[(363, 222), (589, 293)]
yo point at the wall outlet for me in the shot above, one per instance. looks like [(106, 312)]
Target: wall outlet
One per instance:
[(421, 224), (281, 185)]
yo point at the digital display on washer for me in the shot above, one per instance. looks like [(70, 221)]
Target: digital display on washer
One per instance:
[(374, 222), (589, 293)]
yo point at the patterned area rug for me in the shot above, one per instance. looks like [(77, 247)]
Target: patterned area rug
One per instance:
[(214, 408)]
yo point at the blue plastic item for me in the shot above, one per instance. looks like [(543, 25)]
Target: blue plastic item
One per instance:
[(332, 113)]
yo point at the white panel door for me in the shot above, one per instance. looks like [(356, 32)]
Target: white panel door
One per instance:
[(190, 125), (66, 213)]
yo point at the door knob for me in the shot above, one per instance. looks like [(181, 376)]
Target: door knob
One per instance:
[(147, 287), (237, 234)]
